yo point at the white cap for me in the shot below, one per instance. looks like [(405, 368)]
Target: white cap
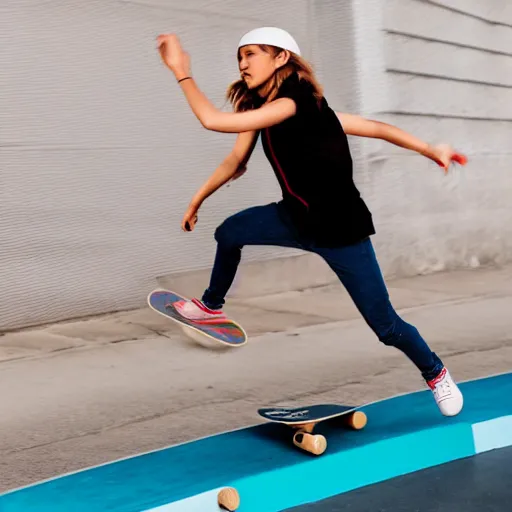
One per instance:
[(272, 36)]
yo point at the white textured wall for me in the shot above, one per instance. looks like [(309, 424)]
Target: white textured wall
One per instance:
[(441, 70), (100, 154)]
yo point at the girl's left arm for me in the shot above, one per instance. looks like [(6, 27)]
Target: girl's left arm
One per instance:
[(442, 154)]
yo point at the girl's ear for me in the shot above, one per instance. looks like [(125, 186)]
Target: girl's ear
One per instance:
[(282, 58)]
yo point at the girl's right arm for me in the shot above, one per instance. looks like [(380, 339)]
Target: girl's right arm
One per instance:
[(210, 117), (236, 160)]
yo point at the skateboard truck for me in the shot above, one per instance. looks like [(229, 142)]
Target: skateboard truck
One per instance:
[(304, 421), (317, 443)]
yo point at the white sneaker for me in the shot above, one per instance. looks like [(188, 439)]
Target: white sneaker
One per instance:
[(446, 393), (195, 310)]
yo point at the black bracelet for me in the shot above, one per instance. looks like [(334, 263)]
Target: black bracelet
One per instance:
[(186, 78)]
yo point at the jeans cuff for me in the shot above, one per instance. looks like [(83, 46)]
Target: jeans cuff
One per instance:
[(435, 370), (209, 303)]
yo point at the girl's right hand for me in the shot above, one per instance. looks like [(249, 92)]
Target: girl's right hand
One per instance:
[(173, 55), (190, 218)]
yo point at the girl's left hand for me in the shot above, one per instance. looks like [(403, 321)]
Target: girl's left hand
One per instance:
[(173, 55), (444, 155)]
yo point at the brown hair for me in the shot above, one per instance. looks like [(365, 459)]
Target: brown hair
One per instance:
[(242, 98)]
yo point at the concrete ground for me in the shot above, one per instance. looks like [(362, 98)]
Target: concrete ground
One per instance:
[(82, 393), (471, 484)]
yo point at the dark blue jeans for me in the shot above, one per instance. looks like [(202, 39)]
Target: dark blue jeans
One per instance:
[(355, 265)]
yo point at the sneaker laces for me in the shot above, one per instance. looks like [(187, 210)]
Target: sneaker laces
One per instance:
[(443, 389), (441, 386)]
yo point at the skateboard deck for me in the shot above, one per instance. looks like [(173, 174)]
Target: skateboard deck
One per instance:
[(304, 419), (223, 331)]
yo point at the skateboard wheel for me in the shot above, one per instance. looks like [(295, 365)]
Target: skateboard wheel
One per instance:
[(357, 420), (228, 499), (315, 444)]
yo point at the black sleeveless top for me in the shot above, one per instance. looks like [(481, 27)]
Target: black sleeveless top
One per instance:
[(310, 155)]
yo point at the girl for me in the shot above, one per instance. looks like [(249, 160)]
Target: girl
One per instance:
[(321, 210)]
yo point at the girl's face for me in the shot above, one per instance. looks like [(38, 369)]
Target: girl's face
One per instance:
[(257, 66)]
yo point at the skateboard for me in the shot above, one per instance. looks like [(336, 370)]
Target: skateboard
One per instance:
[(224, 331), (304, 419)]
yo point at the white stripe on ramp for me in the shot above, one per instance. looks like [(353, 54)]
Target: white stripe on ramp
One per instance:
[(204, 502), (492, 434)]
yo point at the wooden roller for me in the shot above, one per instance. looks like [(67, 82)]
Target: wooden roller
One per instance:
[(357, 420), (228, 499), (315, 444)]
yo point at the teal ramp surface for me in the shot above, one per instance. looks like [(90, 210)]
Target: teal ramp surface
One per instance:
[(403, 434)]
